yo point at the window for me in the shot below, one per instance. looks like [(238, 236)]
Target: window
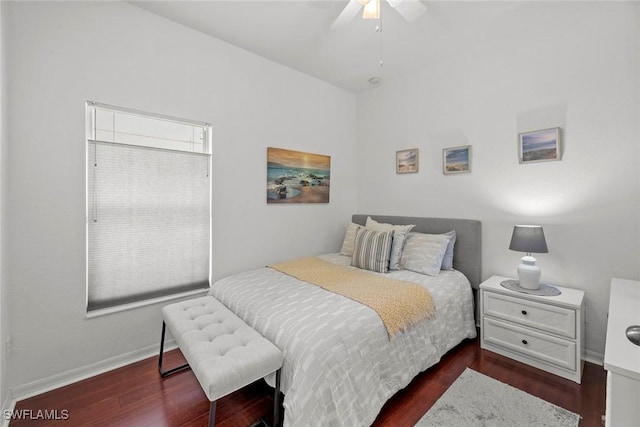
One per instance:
[(148, 206)]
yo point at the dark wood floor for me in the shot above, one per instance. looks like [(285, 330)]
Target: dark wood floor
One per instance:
[(136, 396)]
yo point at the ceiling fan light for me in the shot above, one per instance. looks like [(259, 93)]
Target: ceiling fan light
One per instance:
[(394, 3), (371, 10)]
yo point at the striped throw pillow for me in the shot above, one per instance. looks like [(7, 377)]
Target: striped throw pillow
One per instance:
[(372, 250)]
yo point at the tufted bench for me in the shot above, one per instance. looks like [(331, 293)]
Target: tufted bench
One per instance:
[(224, 352)]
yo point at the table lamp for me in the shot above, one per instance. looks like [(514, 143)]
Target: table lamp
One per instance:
[(529, 239)]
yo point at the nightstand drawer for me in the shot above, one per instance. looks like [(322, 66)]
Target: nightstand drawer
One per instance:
[(549, 318), (545, 348)]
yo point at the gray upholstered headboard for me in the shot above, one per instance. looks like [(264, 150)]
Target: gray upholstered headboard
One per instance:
[(467, 253)]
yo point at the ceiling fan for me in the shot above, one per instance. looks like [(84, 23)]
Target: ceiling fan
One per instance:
[(409, 9)]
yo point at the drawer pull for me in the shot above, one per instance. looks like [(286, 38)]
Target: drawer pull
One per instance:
[(524, 342), (524, 312)]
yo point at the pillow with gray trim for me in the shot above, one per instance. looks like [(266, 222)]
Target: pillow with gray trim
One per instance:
[(447, 260), (397, 246)]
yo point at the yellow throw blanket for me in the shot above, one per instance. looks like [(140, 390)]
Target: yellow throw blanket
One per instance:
[(399, 304)]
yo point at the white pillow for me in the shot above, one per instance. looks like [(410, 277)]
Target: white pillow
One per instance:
[(423, 253), (349, 239), (400, 233), (372, 224)]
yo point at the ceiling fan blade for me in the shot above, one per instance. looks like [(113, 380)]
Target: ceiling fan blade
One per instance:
[(409, 9), (348, 13)]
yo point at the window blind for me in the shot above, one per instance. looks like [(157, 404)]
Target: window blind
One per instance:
[(148, 223)]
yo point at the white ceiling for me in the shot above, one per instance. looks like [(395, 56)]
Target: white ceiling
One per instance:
[(299, 33)]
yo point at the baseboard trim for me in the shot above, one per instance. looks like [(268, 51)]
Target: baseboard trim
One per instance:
[(7, 407), (53, 382), (593, 357)]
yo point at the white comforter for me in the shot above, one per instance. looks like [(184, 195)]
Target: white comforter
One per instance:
[(339, 365)]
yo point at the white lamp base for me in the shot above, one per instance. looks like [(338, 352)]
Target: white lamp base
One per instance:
[(529, 273)]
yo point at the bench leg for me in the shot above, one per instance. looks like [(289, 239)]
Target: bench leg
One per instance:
[(276, 400), (212, 414), (163, 373)]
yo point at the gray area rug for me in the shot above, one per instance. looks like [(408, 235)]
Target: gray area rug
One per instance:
[(475, 400)]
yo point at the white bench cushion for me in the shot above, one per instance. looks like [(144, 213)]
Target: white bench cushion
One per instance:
[(224, 353)]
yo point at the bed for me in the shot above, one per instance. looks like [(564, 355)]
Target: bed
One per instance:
[(340, 363)]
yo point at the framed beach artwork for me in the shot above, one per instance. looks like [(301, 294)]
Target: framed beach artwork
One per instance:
[(407, 161), (539, 145), (456, 159), (297, 177)]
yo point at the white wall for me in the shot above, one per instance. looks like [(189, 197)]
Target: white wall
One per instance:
[(62, 54), (571, 64), (579, 71)]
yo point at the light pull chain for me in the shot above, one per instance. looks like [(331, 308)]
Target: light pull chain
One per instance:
[(95, 172), (205, 143), (379, 31)]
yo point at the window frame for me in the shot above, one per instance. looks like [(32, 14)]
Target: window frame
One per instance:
[(90, 134)]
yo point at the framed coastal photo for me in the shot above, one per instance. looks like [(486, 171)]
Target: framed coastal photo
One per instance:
[(297, 177), (539, 145), (456, 159), (407, 161)]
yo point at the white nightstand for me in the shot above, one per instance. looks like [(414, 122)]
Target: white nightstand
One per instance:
[(541, 331)]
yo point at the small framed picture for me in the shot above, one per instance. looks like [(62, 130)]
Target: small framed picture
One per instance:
[(456, 159), (407, 161), (539, 146)]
